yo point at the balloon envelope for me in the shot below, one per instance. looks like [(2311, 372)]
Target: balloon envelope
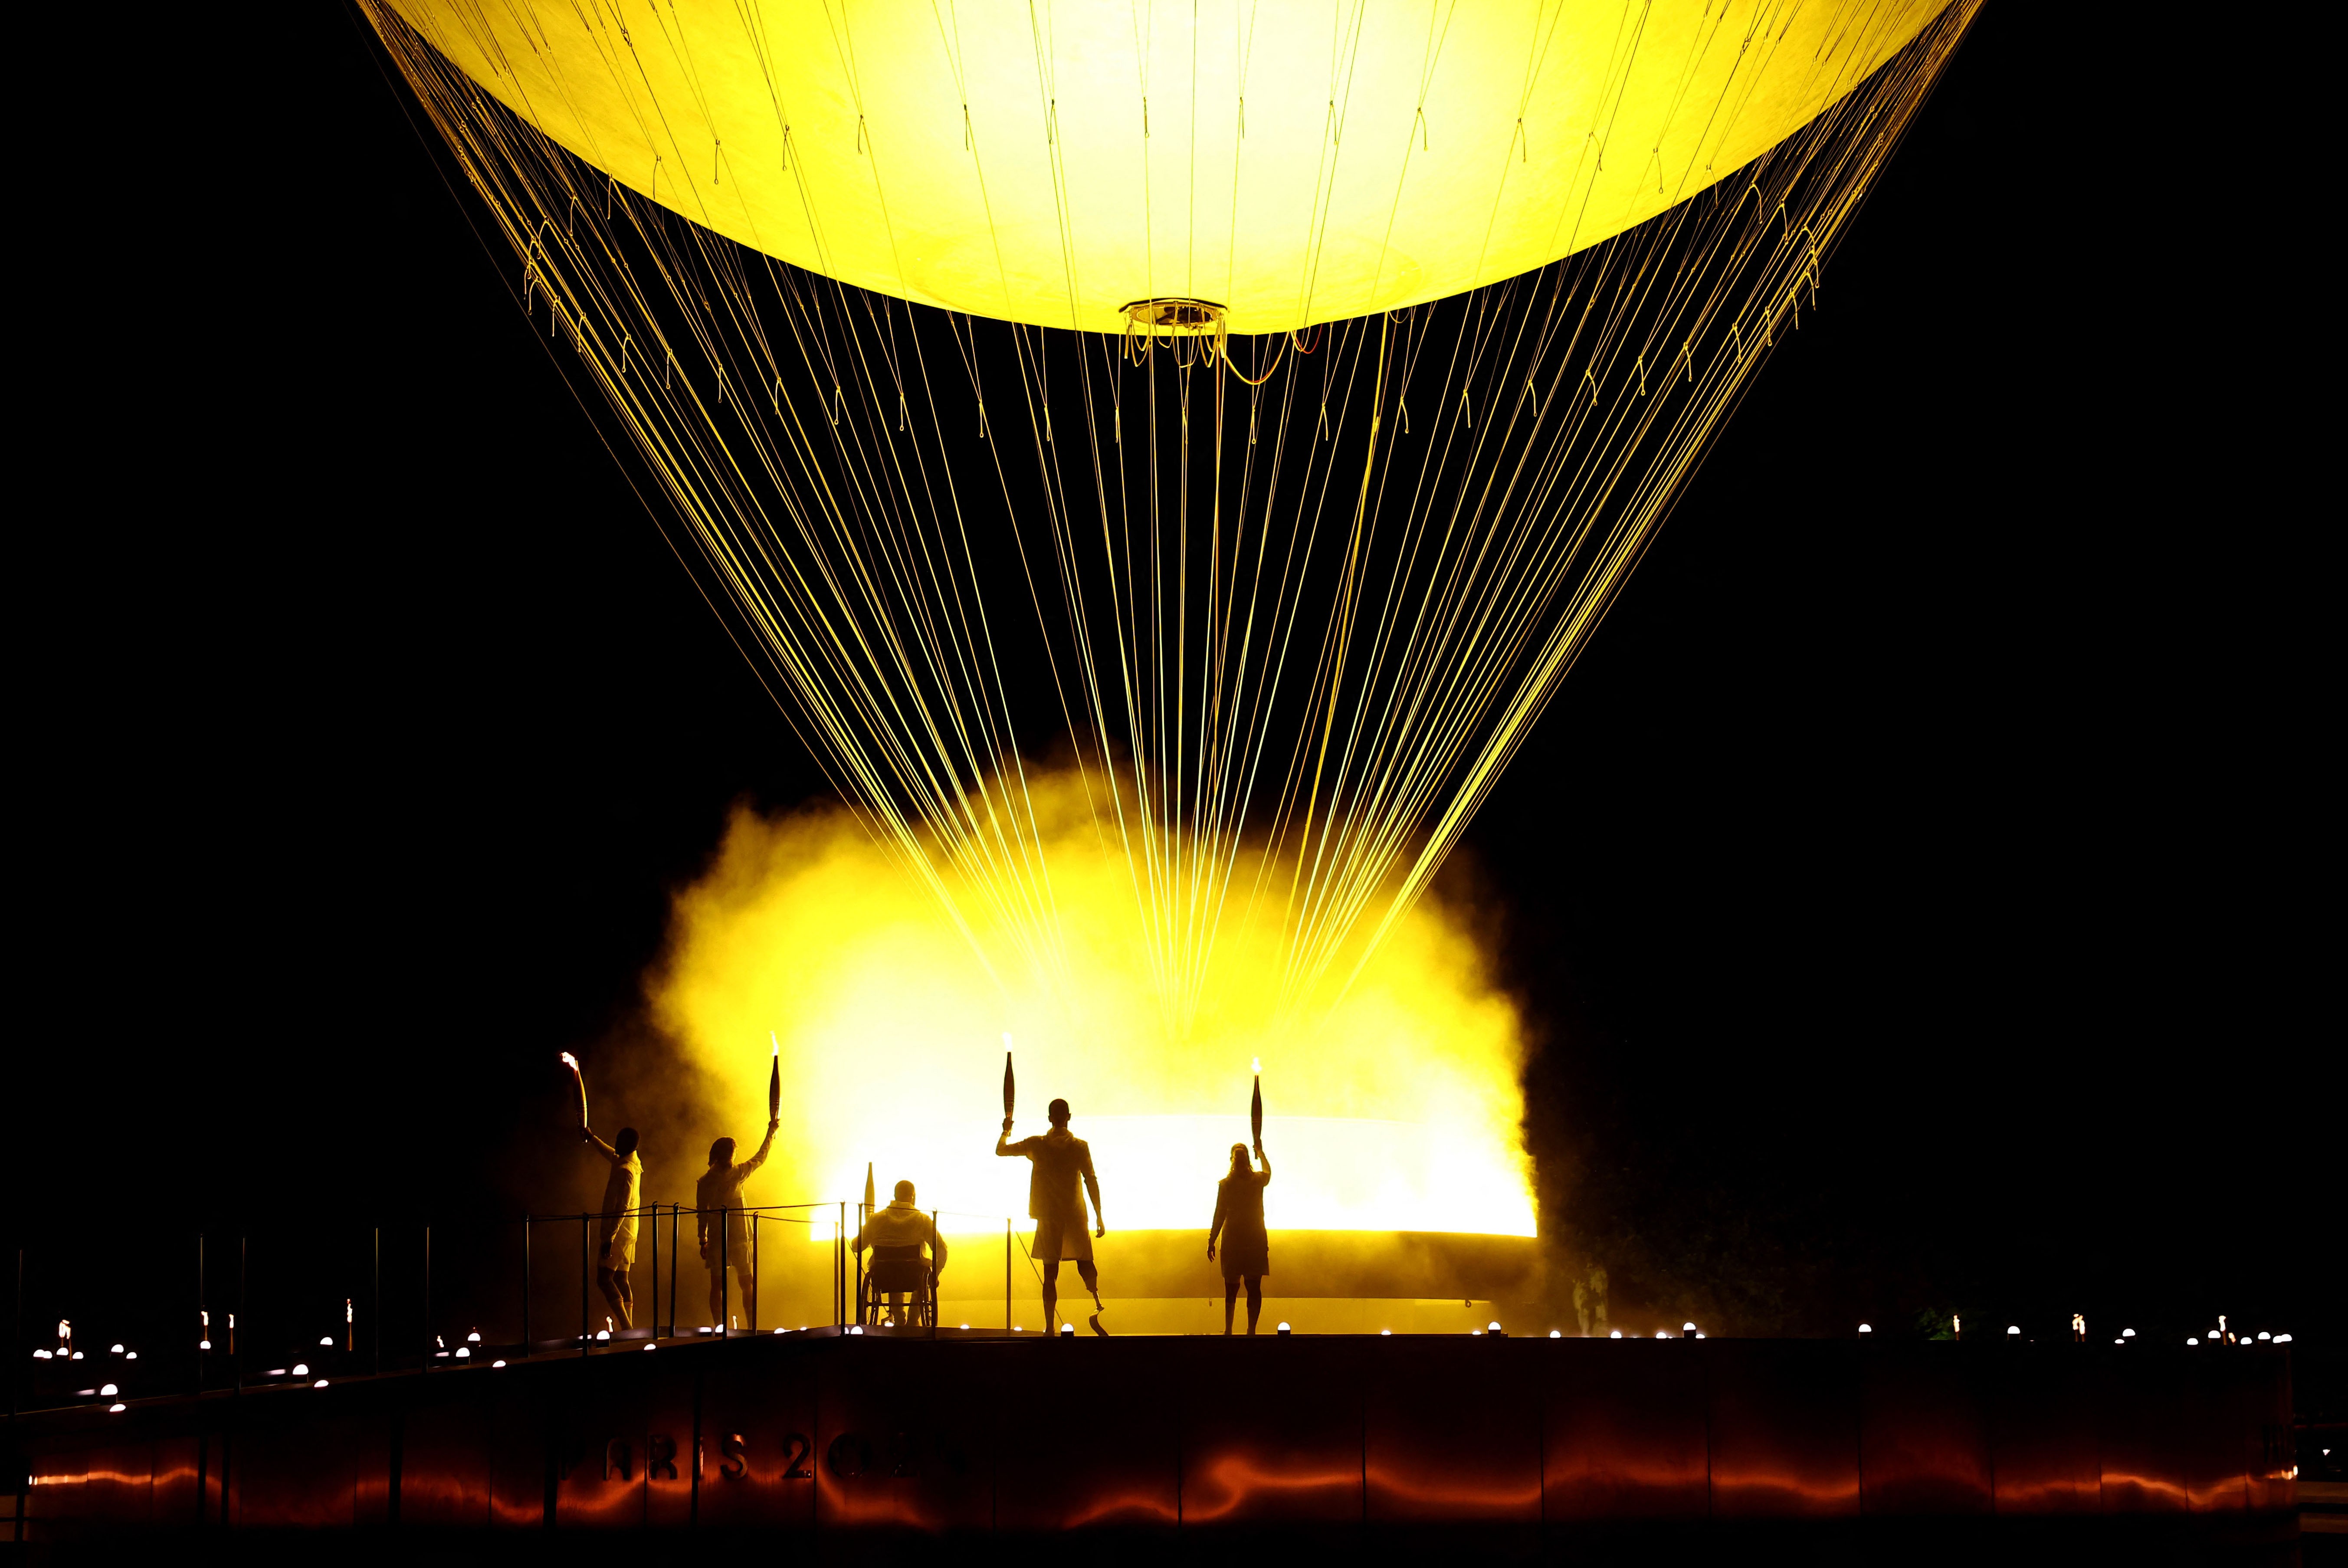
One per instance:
[(1294, 163)]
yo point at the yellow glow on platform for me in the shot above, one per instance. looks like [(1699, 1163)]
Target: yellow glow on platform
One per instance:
[(1298, 163), (1397, 1110)]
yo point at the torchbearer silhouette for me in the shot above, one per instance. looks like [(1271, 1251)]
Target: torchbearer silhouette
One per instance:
[(616, 1255), (1057, 1207), (720, 1188), (1238, 1219), (617, 1252), (898, 1236)]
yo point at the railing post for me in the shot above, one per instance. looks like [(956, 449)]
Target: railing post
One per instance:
[(235, 1357), (585, 1339), (427, 1298), (753, 1303), (937, 1307), (526, 1341), (202, 1333), (375, 1309), (725, 1281), (17, 1359), (1007, 1274), (655, 1228), (862, 1220), (675, 1213)]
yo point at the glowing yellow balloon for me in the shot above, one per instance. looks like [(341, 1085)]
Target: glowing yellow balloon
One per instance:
[(1051, 162)]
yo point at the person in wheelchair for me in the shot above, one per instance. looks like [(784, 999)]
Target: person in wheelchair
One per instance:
[(896, 1235)]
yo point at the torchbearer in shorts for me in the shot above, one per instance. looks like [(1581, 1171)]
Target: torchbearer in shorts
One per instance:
[(1057, 1207), (720, 1192), (617, 1252)]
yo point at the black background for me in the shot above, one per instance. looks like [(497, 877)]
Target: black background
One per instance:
[(1917, 888)]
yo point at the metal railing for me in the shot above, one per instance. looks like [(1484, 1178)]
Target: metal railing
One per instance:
[(410, 1334)]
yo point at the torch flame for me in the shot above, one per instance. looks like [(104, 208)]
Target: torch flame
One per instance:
[(777, 1044), (1255, 1064), (570, 1061)]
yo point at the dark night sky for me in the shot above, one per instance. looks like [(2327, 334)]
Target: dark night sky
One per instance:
[(1917, 887)]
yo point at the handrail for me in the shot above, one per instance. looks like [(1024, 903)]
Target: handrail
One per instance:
[(449, 1282)]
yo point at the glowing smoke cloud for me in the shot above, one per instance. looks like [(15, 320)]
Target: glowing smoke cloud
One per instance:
[(1398, 1107)]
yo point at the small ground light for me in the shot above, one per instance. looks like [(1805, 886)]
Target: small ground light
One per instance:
[(2283, 1339), (319, 1384), (116, 1410), (2190, 1339), (325, 1339), (600, 1333), (965, 1325), (201, 1345), (77, 1354), (1281, 1331), (114, 1350), (855, 1328), (1385, 1334), (462, 1352), (474, 1337), (301, 1371), (2128, 1333), (1491, 1328), (133, 1355), (496, 1364), (1687, 1329), (109, 1390), (1553, 1334), (2013, 1328), (2264, 1334), (1616, 1335), (1067, 1330), (1661, 1333), (1865, 1328)]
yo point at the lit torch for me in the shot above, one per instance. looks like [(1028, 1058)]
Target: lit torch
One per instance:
[(1010, 1085), (581, 1079), (1255, 1101), (775, 1080)]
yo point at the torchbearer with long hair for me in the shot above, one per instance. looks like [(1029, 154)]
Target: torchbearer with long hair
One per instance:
[(719, 1192), (1238, 1219)]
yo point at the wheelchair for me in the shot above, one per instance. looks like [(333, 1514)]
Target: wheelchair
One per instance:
[(897, 1271)]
